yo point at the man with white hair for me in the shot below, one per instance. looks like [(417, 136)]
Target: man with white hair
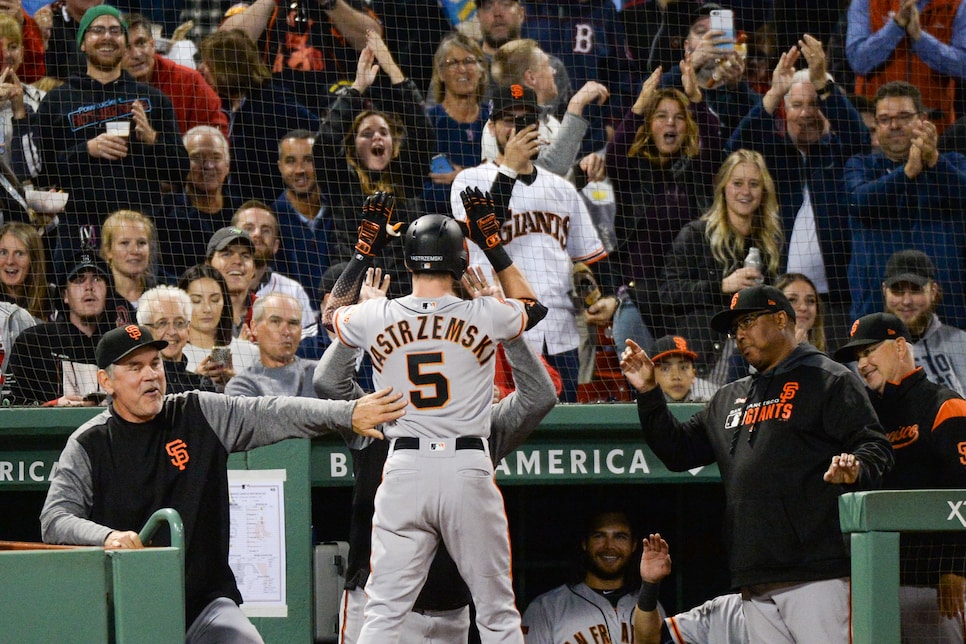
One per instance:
[(277, 325), (807, 160), (166, 310)]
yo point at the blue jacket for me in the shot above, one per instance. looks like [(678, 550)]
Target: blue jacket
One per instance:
[(304, 254), (890, 212), (821, 170)]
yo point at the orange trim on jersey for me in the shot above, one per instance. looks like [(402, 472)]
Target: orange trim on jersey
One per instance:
[(335, 328), (594, 257), (952, 408), (345, 615), (672, 624), (524, 318)]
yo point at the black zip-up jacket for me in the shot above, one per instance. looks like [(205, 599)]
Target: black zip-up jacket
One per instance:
[(773, 436), (926, 424)]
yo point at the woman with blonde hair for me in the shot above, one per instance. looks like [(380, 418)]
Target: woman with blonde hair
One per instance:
[(18, 100), (459, 83), (706, 264), (127, 246), (23, 269)]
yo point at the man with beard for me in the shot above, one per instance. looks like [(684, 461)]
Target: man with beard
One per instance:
[(300, 211), (773, 434), (255, 218), (105, 170), (822, 130), (599, 608), (53, 363), (906, 195), (910, 292)]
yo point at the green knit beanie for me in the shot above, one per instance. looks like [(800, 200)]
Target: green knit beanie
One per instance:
[(96, 12)]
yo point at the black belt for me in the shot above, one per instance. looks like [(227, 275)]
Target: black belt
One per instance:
[(463, 442)]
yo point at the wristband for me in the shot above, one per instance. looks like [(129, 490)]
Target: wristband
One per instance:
[(498, 258), (508, 171), (647, 599)]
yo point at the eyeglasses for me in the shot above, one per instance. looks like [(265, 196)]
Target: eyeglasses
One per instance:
[(99, 30), (465, 62), (180, 324), (746, 322), (902, 118)]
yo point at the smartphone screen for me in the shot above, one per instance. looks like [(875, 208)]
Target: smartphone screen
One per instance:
[(723, 20), (440, 164)]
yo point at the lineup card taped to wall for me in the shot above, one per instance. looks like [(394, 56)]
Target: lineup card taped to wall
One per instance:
[(256, 547)]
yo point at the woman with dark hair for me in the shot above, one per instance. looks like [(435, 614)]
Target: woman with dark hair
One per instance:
[(662, 161), (260, 112), (705, 266), (459, 82), (23, 269), (211, 326), (809, 310), (366, 150)]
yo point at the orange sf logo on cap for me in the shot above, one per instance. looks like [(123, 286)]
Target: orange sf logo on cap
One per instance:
[(516, 90), (734, 300), (133, 331), (680, 343), (855, 327), (891, 331)]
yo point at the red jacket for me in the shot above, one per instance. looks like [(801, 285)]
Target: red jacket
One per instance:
[(938, 91), (195, 101), (32, 68)]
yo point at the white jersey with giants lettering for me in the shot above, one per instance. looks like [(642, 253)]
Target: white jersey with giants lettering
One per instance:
[(437, 351), (579, 614), (548, 229)]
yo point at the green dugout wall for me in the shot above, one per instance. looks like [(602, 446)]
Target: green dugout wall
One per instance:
[(583, 445)]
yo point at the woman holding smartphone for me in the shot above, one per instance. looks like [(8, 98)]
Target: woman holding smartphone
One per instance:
[(211, 350)]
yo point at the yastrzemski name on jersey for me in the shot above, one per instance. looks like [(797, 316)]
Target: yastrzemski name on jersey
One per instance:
[(431, 327)]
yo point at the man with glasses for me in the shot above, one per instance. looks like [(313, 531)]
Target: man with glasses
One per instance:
[(166, 310), (906, 195), (926, 424), (110, 142), (53, 363), (788, 441)]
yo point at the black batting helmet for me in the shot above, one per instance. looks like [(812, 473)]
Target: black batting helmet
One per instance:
[(435, 244)]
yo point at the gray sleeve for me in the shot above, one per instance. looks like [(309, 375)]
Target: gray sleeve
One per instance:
[(561, 154), (244, 423), (515, 417), (242, 385), (334, 377), (70, 499)]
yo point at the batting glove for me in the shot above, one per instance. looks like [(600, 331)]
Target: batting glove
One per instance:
[(482, 225), (376, 227)]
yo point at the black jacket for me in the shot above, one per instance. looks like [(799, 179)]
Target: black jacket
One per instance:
[(773, 436), (926, 424)]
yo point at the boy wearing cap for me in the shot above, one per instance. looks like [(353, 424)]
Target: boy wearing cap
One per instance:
[(773, 435), (547, 227), (674, 371), (926, 424), (149, 451), (53, 363), (911, 293)]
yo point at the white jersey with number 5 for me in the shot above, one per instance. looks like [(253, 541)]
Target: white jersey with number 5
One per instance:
[(439, 352)]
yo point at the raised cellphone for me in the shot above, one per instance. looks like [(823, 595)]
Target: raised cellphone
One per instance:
[(221, 355), (440, 164), (524, 120), (724, 20)]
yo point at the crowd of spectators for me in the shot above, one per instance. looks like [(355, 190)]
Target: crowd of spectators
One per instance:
[(687, 149)]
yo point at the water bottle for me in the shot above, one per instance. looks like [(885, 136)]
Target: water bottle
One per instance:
[(753, 260)]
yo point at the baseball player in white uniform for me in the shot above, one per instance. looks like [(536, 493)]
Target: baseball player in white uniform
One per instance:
[(601, 607), (546, 230), (717, 621), (438, 478)]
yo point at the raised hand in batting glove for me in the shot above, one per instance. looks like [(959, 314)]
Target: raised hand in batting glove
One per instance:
[(376, 227), (482, 225)]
